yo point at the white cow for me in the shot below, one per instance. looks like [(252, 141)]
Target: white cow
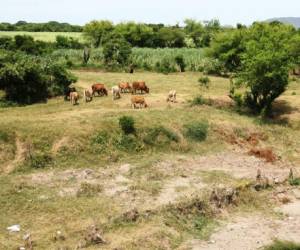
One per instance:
[(88, 95), (116, 92), (172, 96)]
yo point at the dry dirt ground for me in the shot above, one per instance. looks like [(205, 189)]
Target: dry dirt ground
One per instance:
[(253, 231), (185, 176)]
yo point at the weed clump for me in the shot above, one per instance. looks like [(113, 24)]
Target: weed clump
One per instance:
[(89, 190), (283, 245), (40, 160), (204, 81), (196, 131), (154, 135), (199, 100), (127, 125)]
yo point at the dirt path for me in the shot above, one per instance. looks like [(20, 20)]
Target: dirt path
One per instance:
[(253, 231), (19, 157)]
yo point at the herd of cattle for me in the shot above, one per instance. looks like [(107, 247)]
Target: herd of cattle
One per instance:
[(99, 89)]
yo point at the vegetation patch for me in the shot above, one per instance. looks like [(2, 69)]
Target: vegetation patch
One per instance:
[(196, 131), (89, 190), (40, 160), (160, 136), (282, 245)]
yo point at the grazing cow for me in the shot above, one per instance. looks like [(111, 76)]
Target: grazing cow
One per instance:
[(125, 87), (138, 101), (68, 90), (115, 90), (100, 89), (172, 96), (141, 86), (88, 95), (74, 97)]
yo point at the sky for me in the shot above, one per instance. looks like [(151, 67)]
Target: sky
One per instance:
[(229, 12)]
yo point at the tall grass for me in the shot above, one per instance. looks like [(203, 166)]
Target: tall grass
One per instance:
[(143, 58)]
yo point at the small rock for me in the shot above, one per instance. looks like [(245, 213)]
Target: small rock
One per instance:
[(212, 242), (14, 228), (59, 236), (296, 193), (26, 236)]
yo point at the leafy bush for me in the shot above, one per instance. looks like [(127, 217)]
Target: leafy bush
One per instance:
[(283, 245), (294, 182), (24, 82), (128, 143), (196, 131), (180, 62), (165, 66), (4, 136), (29, 46), (153, 135), (6, 42), (204, 81), (40, 160), (198, 100), (127, 124), (30, 79), (64, 42)]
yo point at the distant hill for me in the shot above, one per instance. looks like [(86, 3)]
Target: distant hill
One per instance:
[(289, 20)]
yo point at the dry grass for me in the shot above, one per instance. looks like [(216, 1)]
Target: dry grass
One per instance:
[(32, 197)]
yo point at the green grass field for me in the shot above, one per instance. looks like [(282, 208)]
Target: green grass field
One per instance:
[(43, 36), (54, 177)]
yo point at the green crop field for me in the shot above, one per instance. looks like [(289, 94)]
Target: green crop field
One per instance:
[(43, 36), (65, 168)]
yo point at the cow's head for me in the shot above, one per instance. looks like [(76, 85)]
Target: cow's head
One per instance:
[(147, 90)]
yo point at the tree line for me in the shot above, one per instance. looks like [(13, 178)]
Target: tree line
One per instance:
[(52, 26), (194, 34)]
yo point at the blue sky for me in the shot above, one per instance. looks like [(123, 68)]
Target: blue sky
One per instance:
[(154, 11)]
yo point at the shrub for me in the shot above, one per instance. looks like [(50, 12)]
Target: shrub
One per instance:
[(127, 124), (40, 160), (198, 100), (204, 81), (294, 182), (30, 79), (24, 82), (128, 142), (165, 66), (196, 131), (4, 136), (64, 42), (153, 135), (101, 138), (180, 62), (283, 245)]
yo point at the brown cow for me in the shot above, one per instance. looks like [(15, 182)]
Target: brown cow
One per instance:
[(138, 101), (100, 89), (74, 97), (125, 87), (141, 86)]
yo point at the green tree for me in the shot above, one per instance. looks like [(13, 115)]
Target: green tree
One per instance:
[(265, 66), (194, 30), (137, 34), (228, 47), (117, 51), (96, 31)]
